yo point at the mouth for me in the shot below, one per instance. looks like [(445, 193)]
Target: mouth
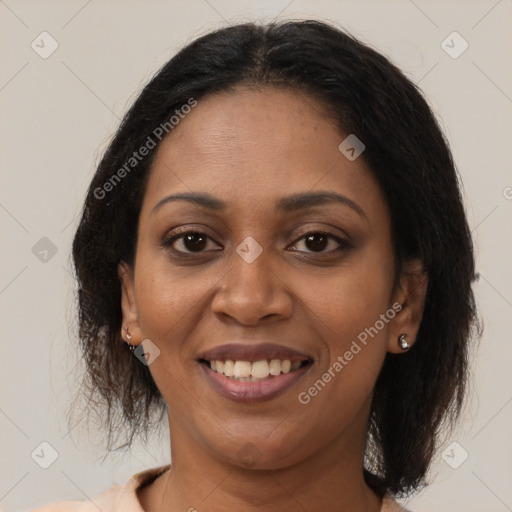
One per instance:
[(253, 373), (257, 371)]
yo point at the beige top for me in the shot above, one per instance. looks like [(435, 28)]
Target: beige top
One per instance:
[(123, 498)]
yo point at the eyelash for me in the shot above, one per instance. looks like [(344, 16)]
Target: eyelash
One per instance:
[(344, 244)]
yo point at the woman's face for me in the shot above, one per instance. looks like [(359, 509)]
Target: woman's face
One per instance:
[(255, 284)]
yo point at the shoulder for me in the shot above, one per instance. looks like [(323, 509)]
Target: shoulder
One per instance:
[(118, 498), (389, 504)]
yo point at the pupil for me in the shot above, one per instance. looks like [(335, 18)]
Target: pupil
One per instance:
[(191, 241), (320, 246)]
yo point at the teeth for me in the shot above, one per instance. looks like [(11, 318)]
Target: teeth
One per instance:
[(260, 369), (275, 367), (229, 367), (242, 369), (245, 371)]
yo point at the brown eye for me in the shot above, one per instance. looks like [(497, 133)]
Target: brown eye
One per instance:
[(318, 241), (188, 242)]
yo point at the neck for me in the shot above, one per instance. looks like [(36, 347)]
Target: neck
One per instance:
[(330, 480)]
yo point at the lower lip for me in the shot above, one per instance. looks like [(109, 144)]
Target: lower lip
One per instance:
[(251, 392)]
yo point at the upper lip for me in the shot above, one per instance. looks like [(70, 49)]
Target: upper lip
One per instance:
[(259, 352)]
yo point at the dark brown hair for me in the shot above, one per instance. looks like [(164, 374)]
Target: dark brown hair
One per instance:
[(416, 393)]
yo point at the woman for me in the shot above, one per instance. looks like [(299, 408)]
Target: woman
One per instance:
[(274, 253)]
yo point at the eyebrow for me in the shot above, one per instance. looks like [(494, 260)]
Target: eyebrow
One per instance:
[(287, 204)]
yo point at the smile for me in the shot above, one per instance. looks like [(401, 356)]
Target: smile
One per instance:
[(253, 378), (257, 371)]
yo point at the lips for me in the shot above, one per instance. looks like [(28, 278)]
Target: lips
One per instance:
[(251, 353), (275, 368)]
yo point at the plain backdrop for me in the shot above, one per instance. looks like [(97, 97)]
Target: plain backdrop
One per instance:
[(58, 112)]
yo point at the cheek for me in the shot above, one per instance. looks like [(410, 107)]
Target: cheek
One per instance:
[(346, 323), (352, 299), (168, 301), (351, 315)]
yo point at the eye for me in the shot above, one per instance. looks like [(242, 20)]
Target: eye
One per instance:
[(317, 241), (189, 242)]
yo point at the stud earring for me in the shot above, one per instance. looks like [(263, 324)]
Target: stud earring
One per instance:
[(403, 343)]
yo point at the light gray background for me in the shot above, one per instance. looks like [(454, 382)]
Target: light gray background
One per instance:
[(57, 116)]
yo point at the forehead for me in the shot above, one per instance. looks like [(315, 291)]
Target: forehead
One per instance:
[(253, 146)]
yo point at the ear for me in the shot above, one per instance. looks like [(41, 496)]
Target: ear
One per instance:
[(128, 305), (410, 294)]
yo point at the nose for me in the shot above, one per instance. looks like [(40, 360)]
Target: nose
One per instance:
[(252, 292)]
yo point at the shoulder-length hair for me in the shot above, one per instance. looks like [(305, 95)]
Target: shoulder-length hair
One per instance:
[(416, 393)]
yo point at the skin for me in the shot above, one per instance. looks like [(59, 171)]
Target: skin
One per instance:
[(249, 148)]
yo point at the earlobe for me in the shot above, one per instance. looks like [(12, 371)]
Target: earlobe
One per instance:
[(411, 294), (130, 323)]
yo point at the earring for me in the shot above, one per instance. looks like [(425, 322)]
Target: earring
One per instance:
[(129, 337), (403, 343)]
